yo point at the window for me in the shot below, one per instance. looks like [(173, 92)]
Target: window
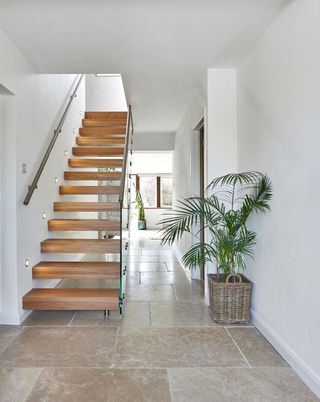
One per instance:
[(156, 191), (166, 192), (148, 191)]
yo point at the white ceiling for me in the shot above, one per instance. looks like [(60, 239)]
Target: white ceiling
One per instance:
[(162, 48)]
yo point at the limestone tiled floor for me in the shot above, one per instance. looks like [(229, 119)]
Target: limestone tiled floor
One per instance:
[(164, 348)]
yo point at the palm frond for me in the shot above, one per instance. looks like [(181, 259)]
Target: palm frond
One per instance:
[(198, 254)]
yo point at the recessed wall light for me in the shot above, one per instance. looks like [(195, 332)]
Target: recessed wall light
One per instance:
[(26, 263), (74, 130), (65, 153), (44, 215), (56, 180)]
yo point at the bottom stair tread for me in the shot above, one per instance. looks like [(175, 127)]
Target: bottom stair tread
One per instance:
[(71, 299)]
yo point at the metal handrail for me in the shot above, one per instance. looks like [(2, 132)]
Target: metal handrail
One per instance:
[(125, 156), (56, 133)]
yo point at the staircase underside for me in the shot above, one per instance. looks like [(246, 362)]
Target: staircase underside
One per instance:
[(100, 144)]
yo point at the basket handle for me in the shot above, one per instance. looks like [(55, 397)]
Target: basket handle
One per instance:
[(236, 275)]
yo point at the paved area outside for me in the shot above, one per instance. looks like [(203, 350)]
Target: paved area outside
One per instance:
[(164, 348)]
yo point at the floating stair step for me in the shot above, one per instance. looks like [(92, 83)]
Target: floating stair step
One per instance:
[(109, 116), (96, 141), (104, 132), (103, 123), (89, 246), (87, 190), (86, 207), (71, 299), (88, 162), (83, 225), (76, 270), (104, 176), (115, 151)]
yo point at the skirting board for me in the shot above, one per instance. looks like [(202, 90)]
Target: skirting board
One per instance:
[(179, 257), (298, 365)]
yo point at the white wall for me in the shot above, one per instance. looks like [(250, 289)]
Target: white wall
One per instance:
[(28, 119), (153, 141), (105, 93), (186, 160), (221, 134), (279, 126)]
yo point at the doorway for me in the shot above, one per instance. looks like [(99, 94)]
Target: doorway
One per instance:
[(202, 189)]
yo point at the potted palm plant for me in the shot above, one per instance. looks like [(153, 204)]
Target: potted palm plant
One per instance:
[(142, 225), (224, 211)]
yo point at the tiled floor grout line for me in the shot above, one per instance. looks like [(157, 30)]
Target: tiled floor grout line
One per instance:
[(14, 338), (169, 385), (115, 348), (69, 325), (35, 383), (150, 320), (246, 360)]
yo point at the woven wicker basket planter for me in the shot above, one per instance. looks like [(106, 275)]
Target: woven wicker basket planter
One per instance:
[(230, 301)]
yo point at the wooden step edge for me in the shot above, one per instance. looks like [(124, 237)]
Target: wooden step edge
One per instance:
[(83, 225), (89, 190), (71, 299), (76, 270), (86, 207)]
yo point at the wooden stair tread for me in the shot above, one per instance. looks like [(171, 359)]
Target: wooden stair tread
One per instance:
[(98, 141), (76, 270), (103, 132), (83, 225), (89, 246), (115, 151), (95, 162), (109, 116), (89, 190), (103, 123), (104, 176), (71, 299), (86, 206)]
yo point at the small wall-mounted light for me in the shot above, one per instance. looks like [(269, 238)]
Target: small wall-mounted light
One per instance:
[(26, 263), (56, 180), (44, 215), (65, 153), (74, 131)]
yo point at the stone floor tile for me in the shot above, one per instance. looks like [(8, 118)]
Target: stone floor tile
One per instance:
[(176, 347), (257, 350), (241, 385), (165, 278), (135, 313), (151, 258), (61, 347), (96, 319), (150, 293), (49, 318), (180, 314), (193, 293), (101, 385), (7, 335), (147, 267), (17, 383)]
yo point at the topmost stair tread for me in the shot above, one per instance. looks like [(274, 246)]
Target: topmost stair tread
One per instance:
[(106, 115)]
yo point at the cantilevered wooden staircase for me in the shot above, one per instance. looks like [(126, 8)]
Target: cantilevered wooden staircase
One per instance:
[(100, 144)]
